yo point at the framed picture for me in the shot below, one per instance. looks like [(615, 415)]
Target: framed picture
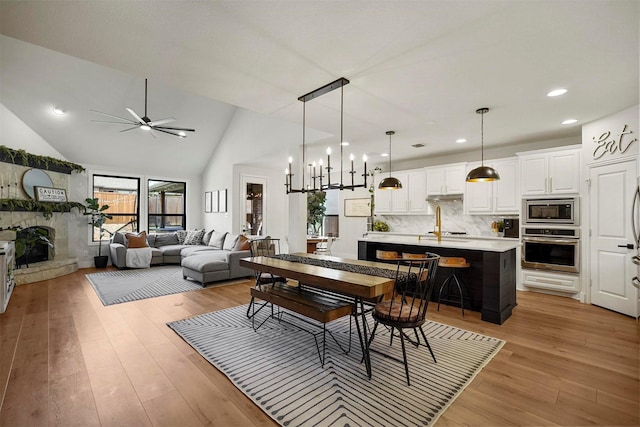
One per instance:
[(49, 194), (207, 201), (357, 207), (222, 200), (214, 201)]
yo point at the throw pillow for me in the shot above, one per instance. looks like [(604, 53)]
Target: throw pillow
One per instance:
[(181, 235), (207, 237), (119, 238), (136, 240), (217, 239), (230, 241), (166, 239), (242, 244), (194, 237)]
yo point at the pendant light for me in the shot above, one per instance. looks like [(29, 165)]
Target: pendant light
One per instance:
[(482, 173), (390, 183)]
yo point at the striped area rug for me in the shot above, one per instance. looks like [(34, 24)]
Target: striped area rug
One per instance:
[(278, 367), (115, 287)]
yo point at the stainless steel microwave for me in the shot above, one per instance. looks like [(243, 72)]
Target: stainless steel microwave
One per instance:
[(565, 211)]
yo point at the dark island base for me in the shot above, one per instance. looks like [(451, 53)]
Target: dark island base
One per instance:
[(490, 281)]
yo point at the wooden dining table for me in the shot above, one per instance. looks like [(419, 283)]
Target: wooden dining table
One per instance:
[(361, 287)]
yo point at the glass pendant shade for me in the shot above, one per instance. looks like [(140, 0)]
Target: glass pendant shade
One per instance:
[(390, 183), (482, 173)]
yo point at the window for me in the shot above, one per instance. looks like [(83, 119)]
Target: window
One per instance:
[(167, 205), (122, 196)]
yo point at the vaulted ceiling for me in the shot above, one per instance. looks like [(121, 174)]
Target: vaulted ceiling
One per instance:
[(421, 68)]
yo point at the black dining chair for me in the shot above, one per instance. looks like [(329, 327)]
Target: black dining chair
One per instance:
[(407, 307), (264, 247)]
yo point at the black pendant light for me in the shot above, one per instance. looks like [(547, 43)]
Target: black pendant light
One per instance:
[(482, 173), (390, 183)]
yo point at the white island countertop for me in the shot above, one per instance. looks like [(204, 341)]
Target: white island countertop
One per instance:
[(457, 242)]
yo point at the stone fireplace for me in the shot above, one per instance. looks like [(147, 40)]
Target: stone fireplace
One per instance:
[(37, 250)]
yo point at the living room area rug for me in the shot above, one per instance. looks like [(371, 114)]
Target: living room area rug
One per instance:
[(278, 367), (115, 287)]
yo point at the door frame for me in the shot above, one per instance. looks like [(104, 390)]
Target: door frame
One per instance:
[(244, 180)]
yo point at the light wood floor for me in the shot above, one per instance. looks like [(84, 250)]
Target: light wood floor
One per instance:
[(67, 360)]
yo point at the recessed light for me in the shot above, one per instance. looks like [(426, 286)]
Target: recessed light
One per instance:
[(569, 121), (557, 92), (461, 140), (344, 143), (385, 154), (59, 111), (418, 145)]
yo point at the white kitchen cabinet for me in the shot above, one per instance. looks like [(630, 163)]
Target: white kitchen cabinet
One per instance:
[(496, 197), (410, 199), (550, 172), (446, 179)]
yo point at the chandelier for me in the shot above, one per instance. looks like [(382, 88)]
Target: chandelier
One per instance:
[(317, 180)]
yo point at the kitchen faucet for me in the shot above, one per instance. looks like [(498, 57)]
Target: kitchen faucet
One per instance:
[(438, 223)]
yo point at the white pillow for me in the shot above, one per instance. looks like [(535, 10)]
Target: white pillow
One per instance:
[(217, 239), (230, 241)]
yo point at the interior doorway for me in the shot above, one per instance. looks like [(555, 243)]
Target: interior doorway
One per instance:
[(254, 210)]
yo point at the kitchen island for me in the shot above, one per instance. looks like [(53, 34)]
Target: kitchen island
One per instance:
[(490, 281)]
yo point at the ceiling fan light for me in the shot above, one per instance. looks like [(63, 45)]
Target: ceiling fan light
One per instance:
[(390, 183), (145, 127), (182, 134), (483, 174)]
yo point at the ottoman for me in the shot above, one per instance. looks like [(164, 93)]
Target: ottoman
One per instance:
[(204, 269)]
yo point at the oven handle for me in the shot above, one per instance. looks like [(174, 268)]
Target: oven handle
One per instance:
[(550, 240)]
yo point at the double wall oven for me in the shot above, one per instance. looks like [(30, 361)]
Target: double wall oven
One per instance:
[(551, 234)]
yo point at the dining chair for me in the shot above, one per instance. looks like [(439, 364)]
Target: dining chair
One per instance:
[(264, 247), (407, 307), (323, 247)]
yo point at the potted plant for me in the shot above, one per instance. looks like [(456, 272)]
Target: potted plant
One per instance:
[(97, 220), (26, 241), (315, 211)]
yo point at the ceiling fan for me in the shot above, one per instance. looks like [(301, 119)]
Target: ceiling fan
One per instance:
[(145, 122)]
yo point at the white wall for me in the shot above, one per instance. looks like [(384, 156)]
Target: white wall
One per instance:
[(14, 133)]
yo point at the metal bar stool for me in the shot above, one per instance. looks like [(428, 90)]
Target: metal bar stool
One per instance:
[(454, 263)]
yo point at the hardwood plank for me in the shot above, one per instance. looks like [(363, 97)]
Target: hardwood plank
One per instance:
[(68, 360)]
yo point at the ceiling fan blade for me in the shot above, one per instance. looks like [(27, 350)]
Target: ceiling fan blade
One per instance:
[(128, 122), (111, 115), (137, 117), (170, 128), (170, 133), (132, 128), (161, 121)]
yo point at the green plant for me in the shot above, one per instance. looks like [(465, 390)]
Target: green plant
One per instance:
[(380, 226), (27, 239), (98, 217), (47, 208), (316, 210)]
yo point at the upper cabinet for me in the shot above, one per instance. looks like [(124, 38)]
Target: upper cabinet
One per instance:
[(446, 179), (410, 199), (550, 172), (497, 197)]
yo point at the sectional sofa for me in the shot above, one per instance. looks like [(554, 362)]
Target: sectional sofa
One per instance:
[(204, 257)]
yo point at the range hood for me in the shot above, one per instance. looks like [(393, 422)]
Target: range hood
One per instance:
[(443, 197)]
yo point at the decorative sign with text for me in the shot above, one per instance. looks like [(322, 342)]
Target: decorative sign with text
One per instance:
[(608, 143), (49, 194)]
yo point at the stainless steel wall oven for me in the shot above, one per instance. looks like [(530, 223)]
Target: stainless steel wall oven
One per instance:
[(552, 249)]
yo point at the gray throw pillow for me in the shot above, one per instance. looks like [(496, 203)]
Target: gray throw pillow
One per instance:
[(166, 239), (207, 237), (230, 241), (194, 237), (119, 238), (181, 235), (217, 239)]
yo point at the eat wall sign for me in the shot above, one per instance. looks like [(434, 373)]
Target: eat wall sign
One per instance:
[(608, 143)]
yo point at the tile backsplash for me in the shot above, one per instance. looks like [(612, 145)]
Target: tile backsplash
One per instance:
[(453, 219)]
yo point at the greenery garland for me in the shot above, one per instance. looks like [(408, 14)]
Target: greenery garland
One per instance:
[(10, 155), (47, 208)]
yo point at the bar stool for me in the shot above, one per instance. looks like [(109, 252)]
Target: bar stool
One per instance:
[(453, 263)]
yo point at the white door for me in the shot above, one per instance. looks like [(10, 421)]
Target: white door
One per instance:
[(612, 190)]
